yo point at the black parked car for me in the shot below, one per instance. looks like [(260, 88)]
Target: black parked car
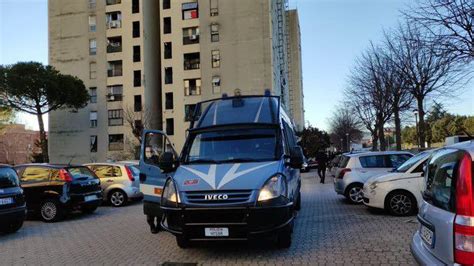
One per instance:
[(55, 190), (12, 202)]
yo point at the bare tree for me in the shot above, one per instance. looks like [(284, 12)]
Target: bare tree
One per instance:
[(426, 72), (449, 22), (344, 128), (137, 121)]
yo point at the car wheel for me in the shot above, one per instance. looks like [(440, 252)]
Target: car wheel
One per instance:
[(118, 198), (298, 202), (401, 203), (51, 211), (12, 227), (182, 242), (354, 194), (89, 209), (284, 237)]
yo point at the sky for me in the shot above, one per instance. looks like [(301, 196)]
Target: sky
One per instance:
[(334, 33)]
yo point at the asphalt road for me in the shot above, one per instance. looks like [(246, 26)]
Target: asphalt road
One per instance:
[(328, 231)]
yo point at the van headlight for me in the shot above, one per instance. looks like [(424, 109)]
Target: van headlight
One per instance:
[(273, 188), (170, 194)]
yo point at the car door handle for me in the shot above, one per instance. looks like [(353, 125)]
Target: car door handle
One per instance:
[(110, 181)]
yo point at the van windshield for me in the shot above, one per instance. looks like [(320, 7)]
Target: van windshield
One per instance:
[(235, 145)]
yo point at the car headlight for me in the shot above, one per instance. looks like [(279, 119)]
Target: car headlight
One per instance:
[(170, 194), (273, 188), (373, 185)]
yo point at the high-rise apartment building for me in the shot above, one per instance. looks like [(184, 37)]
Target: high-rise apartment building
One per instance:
[(154, 60)]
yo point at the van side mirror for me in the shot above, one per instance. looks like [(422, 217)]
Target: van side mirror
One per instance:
[(296, 157), (167, 162)]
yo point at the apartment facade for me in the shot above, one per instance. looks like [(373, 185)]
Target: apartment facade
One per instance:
[(154, 60)]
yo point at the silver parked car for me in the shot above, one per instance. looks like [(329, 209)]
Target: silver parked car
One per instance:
[(120, 182), (446, 232)]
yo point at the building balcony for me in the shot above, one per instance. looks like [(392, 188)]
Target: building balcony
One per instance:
[(114, 72), (114, 24), (114, 48), (193, 39)]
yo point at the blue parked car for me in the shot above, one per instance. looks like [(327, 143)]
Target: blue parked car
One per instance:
[(12, 201), (238, 176)]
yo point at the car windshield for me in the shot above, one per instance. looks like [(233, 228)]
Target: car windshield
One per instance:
[(411, 162), (8, 178), (236, 145)]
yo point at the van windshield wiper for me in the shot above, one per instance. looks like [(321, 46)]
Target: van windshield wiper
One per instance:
[(244, 160), (203, 161)]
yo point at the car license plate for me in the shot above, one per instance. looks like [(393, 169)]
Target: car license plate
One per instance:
[(6, 201), (91, 197), (427, 235), (216, 232)]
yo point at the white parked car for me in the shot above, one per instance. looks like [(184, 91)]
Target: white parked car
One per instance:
[(398, 192), (354, 169)]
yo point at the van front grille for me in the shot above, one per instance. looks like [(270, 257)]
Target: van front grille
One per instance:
[(218, 197)]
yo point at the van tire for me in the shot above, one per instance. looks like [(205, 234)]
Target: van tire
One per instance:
[(51, 211), (182, 242), (284, 237), (350, 193)]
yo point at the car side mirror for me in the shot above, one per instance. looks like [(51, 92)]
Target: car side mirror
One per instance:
[(296, 157), (167, 162)]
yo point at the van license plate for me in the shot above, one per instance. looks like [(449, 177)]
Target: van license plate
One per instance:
[(90, 198), (216, 232), (6, 201), (427, 235)]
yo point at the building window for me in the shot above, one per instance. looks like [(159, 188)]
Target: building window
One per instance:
[(114, 68), (192, 61), (92, 70), (166, 4), (136, 53), (167, 25), (136, 29), (170, 126), (114, 44), (114, 20), (137, 103), (137, 78), (216, 58), (190, 10), (113, 2), (93, 143), (168, 75), (190, 35), (115, 117), (192, 87), (92, 4), (214, 8), (168, 50), (93, 95), (93, 119), (115, 93), (92, 23), (169, 101), (216, 85), (189, 112), (135, 6), (92, 47), (214, 32), (116, 142)]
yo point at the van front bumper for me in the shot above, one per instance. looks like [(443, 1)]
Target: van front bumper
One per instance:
[(242, 222)]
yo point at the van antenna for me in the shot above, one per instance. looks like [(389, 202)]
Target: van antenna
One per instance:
[(72, 158)]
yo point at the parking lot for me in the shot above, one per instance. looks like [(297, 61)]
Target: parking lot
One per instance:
[(328, 231)]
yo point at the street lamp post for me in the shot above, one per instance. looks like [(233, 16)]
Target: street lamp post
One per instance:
[(415, 112), (342, 145), (347, 137)]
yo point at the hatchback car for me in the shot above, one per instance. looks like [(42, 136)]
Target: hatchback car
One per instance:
[(120, 182), (354, 169), (55, 190), (12, 201), (398, 192), (446, 232)]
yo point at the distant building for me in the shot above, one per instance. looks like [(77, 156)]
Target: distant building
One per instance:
[(17, 144), (159, 58)]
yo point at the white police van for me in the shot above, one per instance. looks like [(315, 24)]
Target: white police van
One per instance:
[(237, 176)]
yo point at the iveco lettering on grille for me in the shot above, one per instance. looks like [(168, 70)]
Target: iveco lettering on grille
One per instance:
[(216, 197)]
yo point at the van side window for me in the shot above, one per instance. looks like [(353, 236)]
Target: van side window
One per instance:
[(290, 135), (35, 174), (441, 179), (155, 146), (374, 161)]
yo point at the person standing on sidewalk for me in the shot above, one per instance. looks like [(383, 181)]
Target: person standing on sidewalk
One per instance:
[(322, 164)]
